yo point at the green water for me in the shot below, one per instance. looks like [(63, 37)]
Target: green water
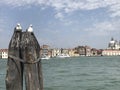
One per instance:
[(80, 73)]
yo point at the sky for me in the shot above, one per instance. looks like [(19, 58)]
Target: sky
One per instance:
[(62, 23)]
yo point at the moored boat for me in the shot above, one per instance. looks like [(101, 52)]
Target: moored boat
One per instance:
[(44, 57), (63, 56)]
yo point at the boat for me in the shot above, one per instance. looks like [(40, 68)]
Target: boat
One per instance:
[(63, 56), (44, 57)]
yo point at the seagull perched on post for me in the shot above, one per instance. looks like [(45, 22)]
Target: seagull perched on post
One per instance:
[(30, 29), (18, 27)]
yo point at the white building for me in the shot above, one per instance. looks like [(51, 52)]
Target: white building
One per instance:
[(4, 53), (56, 52), (108, 52), (114, 45), (113, 48)]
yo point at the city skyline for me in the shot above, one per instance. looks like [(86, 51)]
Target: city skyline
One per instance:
[(64, 24)]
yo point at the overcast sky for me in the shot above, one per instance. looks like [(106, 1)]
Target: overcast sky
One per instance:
[(62, 23)]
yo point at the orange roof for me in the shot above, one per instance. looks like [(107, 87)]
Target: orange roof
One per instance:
[(3, 50), (111, 50)]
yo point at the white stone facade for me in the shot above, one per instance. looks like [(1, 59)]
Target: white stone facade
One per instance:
[(114, 44), (4, 53), (111, 52)]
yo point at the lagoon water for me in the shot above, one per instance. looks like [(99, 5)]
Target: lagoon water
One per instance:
[(78, 73)]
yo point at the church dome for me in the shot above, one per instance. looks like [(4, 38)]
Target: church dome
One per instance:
[(111, 42)]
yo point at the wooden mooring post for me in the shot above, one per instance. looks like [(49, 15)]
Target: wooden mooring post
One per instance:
[(24, 60)]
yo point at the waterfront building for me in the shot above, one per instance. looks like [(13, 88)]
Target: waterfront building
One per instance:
[(84, 50), (99, 52), (88, 51), (45, 51), (70, 52), (109, 52), (3, 53), (73, 53), (0, 54), (94, 52), (55, 52), (114, 44), (113, 48), (81, 50), (64, 51)]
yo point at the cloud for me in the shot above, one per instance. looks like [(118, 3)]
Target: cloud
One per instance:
[(2, 23), (67, 6), (104, 28), (115, 9), (59, 15)]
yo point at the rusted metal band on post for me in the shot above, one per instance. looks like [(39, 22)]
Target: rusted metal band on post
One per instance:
[(23, 61)]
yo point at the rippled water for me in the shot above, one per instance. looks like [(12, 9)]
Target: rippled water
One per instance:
[(80, 73), (2, 74)]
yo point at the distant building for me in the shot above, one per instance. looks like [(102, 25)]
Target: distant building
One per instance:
[(64, 51), (55, 52), (88, 50), (70, 52), (0, 54), (109, 52), (99, 52), (114, 44), (81, 50), (45, 50), (73, 53), (94, 52), (84, 50), (3, 53), (113, 48)]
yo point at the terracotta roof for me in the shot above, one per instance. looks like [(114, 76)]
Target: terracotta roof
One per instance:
[(111, 50), (3, 50)]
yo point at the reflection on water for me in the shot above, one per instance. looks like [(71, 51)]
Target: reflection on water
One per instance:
[(80, 73)]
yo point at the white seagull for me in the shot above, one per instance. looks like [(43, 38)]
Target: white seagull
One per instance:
[(30, 29), (18, 26)]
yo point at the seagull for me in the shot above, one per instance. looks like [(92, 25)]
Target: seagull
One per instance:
[(30, 29), (18, 27)]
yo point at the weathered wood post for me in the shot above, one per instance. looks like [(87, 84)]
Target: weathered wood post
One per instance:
[(30, 52), (14, 76), (24, 53)]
